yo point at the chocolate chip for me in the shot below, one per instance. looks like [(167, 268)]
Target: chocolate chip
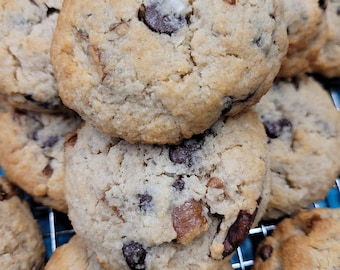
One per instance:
[(274, 129), (183, 153), (265, 252), (179, 184), (238, 231), (134, 255), (323, 4), (51, 11), (161, 20), (338, 11), (51, 140), (145, 201)]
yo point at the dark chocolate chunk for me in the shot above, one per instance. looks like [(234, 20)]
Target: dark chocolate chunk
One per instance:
[(265, 252), (274, 129), (179, 184), (51, 11), (183, 153), (159, 21), (323, 4), (145, 201), (52, 140), (338, 11), (134, 255), (238, 231)]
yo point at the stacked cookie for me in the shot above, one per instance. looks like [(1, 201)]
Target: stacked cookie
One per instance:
[(33, 119), (167, 129)]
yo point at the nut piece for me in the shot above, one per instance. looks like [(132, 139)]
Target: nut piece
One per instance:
[(188, 221), (215, 182)]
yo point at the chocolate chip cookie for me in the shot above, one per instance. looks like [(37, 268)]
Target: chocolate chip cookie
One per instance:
[(31, 146), (328, 60), (307, 34), (21, 245), (26, 76), (72, 256), (185, 206), (303, 129), (160, 71), (308, 240)]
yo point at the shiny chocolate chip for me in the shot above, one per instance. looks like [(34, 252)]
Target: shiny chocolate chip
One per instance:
[(134, 255), (238, 231), (183, 153), (160, 19), (265, 252), (275, 129)]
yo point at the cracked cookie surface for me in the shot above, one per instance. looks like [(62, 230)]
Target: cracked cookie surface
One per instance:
[(26, 76), (185, 206), (21, 245), (308, 240), (160, 71), (31, 146), (303, 129)]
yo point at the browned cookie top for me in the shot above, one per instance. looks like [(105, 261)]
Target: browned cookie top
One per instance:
[(160, 71)]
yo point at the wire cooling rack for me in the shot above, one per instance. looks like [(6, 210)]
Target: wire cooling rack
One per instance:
[(56, 228)]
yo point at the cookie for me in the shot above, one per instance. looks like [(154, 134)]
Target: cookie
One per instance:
[(21, 245), (308, 240), (72, 256), (26, 76), (158, 207), (303, 129), (307, 34), (31, 146), (160, 71), (328, 60)]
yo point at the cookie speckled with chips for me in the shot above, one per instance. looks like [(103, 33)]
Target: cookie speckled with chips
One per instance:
[(26, 76), (160, 71), (308, 240), (32, 152), (185, 206), (307, 30), (303, 128)]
